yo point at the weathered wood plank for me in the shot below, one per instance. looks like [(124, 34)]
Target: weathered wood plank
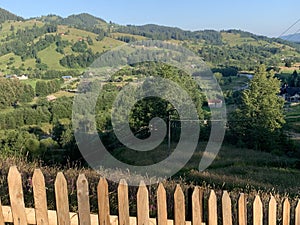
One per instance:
[(30, 212), (83, 200), (123, 203), (103, 202), (242, 209), (142, 205), (16, 196), (162, 217), (40, 198), (179, 206), (62, 200), (212, 209), (2, 221), (257, 211), (297, 214), (272, 211), (286, 212), (197, 206), (226, 209)]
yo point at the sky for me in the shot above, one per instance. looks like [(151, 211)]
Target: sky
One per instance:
[(265, 17)]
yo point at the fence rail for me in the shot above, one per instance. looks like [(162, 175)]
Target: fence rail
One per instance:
[(19, 215)]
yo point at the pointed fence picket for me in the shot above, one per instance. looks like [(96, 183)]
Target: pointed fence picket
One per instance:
[(17, 214)]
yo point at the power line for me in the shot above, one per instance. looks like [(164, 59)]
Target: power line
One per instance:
[(292, 35), (288, 28)]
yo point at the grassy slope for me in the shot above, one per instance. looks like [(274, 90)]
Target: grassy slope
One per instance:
[(234, 168)]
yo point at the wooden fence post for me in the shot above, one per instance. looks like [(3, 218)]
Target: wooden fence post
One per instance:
[(212, 209), (16, 196), (1, 215), (162, 215), (40, 198), (272, 211), (179, 206), (142, 205), (103, 202), (83, 200), (297, 214), (62, 200), (123, 203), (257, 211), (197, 206), (242, 211), (286, 212), (226, 209)]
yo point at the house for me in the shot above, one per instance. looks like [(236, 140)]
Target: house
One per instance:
[(215, 103), (67, 77), (290, 94), (51, 98), (23, 77)]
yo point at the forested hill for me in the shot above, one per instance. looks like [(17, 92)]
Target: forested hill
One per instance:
[(6, 15), (47, 44)]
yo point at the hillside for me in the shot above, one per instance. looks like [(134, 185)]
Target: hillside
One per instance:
[(292, 37), (6, 15), (36, 45)]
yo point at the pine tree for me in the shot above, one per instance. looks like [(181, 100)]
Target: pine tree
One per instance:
[(259, 118)]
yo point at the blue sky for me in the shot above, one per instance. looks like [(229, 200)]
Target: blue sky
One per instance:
[(269, 18)]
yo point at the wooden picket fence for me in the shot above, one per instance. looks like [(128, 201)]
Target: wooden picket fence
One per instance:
[(17, 214)]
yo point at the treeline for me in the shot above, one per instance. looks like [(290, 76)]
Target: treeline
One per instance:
[(292, 80), (156, 32), (13, 91), (242, 57), (43, 112), (44, 88), (56, 74), (5, 15), (79, 61), (127, 39)]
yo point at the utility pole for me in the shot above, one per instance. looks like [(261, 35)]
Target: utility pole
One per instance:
[(169, 132)]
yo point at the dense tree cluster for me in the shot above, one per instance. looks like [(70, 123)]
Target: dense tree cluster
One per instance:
[(79, 46), (44, 88), (5, 15), (79, 61), (13, 91), (257, 123), (126, 39)]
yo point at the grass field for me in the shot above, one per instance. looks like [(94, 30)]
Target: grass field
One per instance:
[(233, 168)]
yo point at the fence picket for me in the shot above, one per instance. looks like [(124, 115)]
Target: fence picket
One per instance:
[(272, 211), (142, 205), (123, 203), (40, 215), (16, 196), (242, 209), (62, 201), (212, 209), (83, 200), (286, 212), (197, 206), (257, 211), (297, 214), (103, 202), (226, 209), (2, 221), (162, 216), (40, 198), (179, 206)]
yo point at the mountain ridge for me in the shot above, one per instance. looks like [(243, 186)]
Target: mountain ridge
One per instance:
[(40, 44), (292, 37), (6, 15)]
